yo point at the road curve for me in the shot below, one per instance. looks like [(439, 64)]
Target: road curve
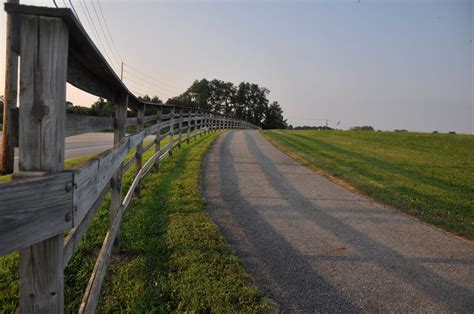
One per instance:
[(313, 246)]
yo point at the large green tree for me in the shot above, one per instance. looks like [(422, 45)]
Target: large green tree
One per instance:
[(246, 101), (274, 117), (150, 110), (103, 108)]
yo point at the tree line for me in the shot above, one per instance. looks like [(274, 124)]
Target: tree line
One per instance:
[(247, 101)]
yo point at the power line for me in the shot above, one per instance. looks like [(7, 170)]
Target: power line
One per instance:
[(154, 84), (139, 90), (87, 18), (108, 30), (73, 9), (144, 90), (92, 25), (103, 33), (75, 12), (150, 83), (150, 76), (152, 88)]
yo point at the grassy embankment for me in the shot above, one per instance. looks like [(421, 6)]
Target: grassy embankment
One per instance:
[(172, 257), (429, 176)]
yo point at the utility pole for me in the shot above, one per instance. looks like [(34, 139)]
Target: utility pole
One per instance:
[(10, 95)]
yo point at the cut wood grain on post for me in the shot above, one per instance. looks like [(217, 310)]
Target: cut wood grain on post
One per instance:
[(44, 51)]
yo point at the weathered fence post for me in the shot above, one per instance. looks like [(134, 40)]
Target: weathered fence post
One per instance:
[(139, 150), (44, 52), (116, 181), (209, 122), (180, 125), (196, 124), (172, 122), (201, 122), (188, 125), (10, 94), (158, 136)]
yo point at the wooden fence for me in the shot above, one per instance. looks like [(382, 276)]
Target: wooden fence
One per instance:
[(44, 201)]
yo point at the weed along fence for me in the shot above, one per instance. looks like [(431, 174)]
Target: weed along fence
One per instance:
[(44, 201)]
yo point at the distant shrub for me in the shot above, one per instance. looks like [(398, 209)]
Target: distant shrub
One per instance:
[(362, 128), (452, 132), (435, 132), (402, 130), (306, 127)]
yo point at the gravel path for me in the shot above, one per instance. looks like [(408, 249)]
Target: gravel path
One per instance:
[(313, 246)]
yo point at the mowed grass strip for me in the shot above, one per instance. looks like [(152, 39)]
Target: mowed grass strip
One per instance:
[(426, 175), (174, 259), (171, 258)]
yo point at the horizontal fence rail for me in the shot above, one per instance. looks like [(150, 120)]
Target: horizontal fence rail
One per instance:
[(44, 201)]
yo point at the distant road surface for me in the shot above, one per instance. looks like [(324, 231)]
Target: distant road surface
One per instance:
[(84, 144)]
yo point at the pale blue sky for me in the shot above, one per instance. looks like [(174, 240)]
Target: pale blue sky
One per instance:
[(390, 64)]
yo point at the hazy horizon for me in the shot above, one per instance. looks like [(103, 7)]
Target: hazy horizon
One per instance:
[(389, 64)]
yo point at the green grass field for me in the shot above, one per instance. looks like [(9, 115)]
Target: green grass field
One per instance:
[(172, 257), (430, 176)]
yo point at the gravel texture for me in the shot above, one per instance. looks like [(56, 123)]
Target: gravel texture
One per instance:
[(314, 246)]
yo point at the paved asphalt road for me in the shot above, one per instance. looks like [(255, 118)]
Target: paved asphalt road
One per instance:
[(90, 143), (313, 246), (84, 144)]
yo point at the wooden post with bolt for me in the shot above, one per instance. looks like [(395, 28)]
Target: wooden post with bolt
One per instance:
[(44, 53)]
